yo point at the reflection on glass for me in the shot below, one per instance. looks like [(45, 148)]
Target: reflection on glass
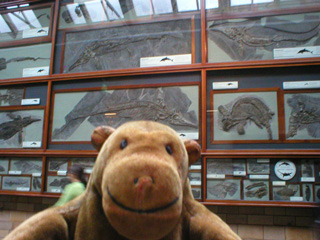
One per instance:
[(161, 7), (240, 2), (187, 5), (142, 7), (4, 28), (212, 4)]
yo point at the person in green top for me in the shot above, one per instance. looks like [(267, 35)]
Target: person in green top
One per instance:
[(76, 187)]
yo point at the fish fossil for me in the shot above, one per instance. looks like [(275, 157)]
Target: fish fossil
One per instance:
[(60, 183), (257, 190), (307, 169), (16, 182), (196, 193), (221, 190), (307, 193), (36, 183), (241, 39), (18, 123), (4, 62), (55, 165), (244, 109), (305, 114), (256, 167), (220, 166), (166, 105), (286, 192)]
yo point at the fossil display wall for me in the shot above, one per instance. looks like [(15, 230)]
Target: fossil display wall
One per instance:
[(242, 80)]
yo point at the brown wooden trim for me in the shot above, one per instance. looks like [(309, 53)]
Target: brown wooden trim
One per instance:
[(259, 203), (248, 90), (204, 109), (46, 116), (54, 32), (263, 153), (204, 48), (62, 52), (193, 40), (264, 13), (31, 7), (43, 180), (20, 108)]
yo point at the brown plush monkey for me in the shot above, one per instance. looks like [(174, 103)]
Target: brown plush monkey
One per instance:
[(138, 190)]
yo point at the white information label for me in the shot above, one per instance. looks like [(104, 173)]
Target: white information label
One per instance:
[(278, 183), (239, 173), (296, 199), (25, 189), (195, 183), (258, 176), (15, 172), (88, 170), (296, 52), (31, 144), (30, 101), (195, 167), (189, 135), (165, 60), (56, 190), (301, 84), (37, 174), (216, 176), (35, 32), (62, 173), (308, 179), (224, 85), (36, 71), (263, 160)]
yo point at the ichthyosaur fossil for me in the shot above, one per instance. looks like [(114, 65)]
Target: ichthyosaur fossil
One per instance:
[(4, 62), (167, 105), (305, 114), (242, 110), (15, 126), (240, 39)]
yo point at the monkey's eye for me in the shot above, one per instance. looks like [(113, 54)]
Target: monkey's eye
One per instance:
[(169, 149), (123, 143)]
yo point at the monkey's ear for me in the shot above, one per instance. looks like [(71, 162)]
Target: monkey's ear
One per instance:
[(193, 150), (100, 135)]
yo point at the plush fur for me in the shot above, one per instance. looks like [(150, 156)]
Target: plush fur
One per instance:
[(138, 190)]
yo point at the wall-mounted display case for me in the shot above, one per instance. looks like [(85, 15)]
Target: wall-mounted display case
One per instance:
[(240, 77)]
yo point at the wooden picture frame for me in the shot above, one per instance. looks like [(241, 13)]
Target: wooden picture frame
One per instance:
[(176, 105), (245, 116), (302, 114), (22, 126), (114, 50)]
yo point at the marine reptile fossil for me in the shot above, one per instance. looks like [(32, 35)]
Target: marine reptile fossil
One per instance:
[(241, 39), (286, 192), (221, 190), (60, 183), (169, 106), (246, 109), (27, 166), (4, 62), (305, 114), (12, 96), (100, 48), (256, 167), (18, 182), (18, 123)]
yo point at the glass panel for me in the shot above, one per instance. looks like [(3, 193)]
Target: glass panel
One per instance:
[(161, 7), (264, 38), (25, 24)]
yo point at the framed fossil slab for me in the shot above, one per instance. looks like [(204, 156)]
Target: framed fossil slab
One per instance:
[(25, 61), (226, 166), (20, 24), (245, 115), (21, 126), (256, 166), (36, 184), (223, 189), (11, 96), (26, 165), (86, 163), (302, 116), (4, 165), (57, 164), (196, 192), (307, 169), (264, 38), (195, 178), (256, 190), (307, 192), (16, 183), (285, 193), (76, 114), (112, 48), (317, 193), (56, 184)]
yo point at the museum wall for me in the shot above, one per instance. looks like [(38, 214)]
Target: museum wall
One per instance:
[(242, 78)]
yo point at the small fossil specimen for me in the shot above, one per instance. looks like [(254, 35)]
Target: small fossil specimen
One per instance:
[(221, 190), (26, 166), (286, 192), (308, 193), (12, 97), (257, 190), (36, 183), (305, 114), (59, 183), (242, 110)]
